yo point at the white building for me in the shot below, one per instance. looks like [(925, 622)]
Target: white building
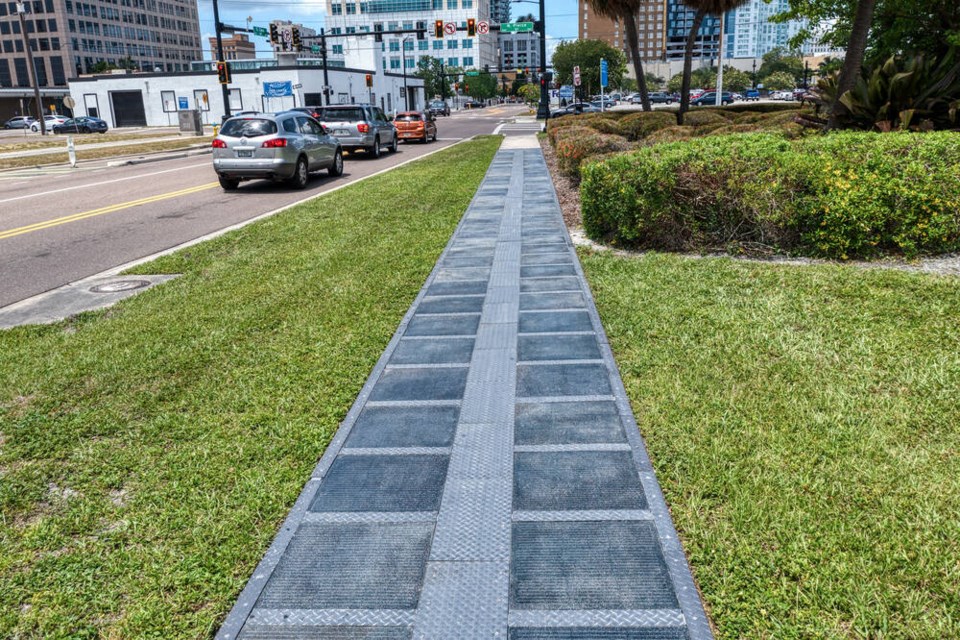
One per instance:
[(749, 33), (519, 51), (153, 99), (345, 17)]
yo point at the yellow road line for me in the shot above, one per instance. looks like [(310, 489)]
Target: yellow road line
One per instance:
[(103, 210)]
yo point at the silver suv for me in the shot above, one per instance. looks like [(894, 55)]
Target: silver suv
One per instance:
[(360, 126), (281, 146)]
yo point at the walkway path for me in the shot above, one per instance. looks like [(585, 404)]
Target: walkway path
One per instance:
[(489, 482)]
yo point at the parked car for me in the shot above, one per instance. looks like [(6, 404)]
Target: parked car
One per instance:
[(782, 95), (48, 121), (575, 109), (710, 98), (416, 125), (439, 108), (18, 122), (282, 146), (83, 124), (751, 94), (474, 104), (313, 112), (656, 97), (360, 127)]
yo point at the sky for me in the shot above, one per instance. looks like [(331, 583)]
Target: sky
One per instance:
[(561, 17)]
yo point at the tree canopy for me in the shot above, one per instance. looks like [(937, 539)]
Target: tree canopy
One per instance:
[(780, 60), (430, 69), (587, 54)]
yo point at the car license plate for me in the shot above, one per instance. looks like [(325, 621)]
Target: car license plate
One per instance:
[(245, 153), (341, 132)]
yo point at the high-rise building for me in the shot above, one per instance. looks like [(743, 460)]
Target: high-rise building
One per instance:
[(679, 21), (520, 51), (457, 50), (650, 29), (749, 33), (499, 11), (236, 47), (70, 37)]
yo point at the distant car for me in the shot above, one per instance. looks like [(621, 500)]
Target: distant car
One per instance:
[(782, 95), (360, 127), (656, 97), (83, 124), (575, 109), (439, 108), (49, 122), (284, 146), (18, 122), (710, 98), (313, 112), (751, 94), (474, 104), (416, 125)]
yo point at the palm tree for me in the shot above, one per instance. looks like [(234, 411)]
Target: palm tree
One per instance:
[(702, 8), (854, 59), (626, 11)]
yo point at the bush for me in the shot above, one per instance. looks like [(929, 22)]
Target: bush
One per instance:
[(638, 126), (845, 195), (761, 107), (575, 146), (607, 125), (702, 117), (560, 128), (670, 134)]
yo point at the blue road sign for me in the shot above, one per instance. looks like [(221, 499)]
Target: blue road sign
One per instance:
[(603, 72), (183, 104), (277, 89), (566, 91)]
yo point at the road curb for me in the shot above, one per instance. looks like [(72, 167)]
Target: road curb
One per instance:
[(147, 159)]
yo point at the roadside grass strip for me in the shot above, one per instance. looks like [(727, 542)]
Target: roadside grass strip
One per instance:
[(85, 155), (149, 452), (804, 424)]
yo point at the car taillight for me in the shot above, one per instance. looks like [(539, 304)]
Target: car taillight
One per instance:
[(274, 143), (219, 144), (363, 127)]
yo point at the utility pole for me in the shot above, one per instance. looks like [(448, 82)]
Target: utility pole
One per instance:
[(223, 87), (21, 10), (326, 74), (403, 55), (543, 110)]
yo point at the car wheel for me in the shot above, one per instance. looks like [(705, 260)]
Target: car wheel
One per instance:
[(434, 136), (228, 184), (301, 175), (394, 145), (85, 130), (375, 149), (336, 168)]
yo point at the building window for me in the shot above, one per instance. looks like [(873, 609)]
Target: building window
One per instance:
[(451, 4), (466, 43), (451, 44), (452, 62), (468, 61)]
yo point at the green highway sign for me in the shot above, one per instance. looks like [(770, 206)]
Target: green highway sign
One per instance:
[(260, 31), (472, 73), (516, 27), (314, 48)]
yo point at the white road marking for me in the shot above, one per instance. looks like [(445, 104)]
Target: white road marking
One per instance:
[(100, 184)]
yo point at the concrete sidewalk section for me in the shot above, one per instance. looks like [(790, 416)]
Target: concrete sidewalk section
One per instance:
[(490, 481)]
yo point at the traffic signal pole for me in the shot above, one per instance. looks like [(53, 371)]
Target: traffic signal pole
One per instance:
[(326, 75), (223, 86), (543, 110)]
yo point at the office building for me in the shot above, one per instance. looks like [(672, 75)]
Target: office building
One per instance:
[(70, 37), (519, 51), (236, 47), (650, 29), (353, 17), (499, 11), (749, 33)]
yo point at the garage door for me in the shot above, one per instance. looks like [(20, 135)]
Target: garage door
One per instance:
[(128, 109)]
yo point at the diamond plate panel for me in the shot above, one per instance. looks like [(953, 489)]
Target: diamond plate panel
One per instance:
[(556, 283), (260, 632), (463, 600), (586, 516), (482, 451), (554, 448), (601, 618), (576, 480), (498, 335), (504, 295), (371, 516), (318, 617), (501, 312), (474, 521)]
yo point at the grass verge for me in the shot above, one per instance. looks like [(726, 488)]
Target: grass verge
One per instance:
[(150, 451), (59, 141), (86, 155), (805, 427)]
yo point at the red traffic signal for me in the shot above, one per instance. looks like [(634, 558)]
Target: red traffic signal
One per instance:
[(471, 27), (223, 72), (438, 29), (369, 79)]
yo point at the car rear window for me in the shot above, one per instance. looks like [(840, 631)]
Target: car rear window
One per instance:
[(248, 128), (342, 115), (409, 117)]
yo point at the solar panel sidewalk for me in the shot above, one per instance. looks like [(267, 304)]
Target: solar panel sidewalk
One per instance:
[(490, 481)]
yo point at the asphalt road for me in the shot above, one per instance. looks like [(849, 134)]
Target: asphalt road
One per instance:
[(58, 225)]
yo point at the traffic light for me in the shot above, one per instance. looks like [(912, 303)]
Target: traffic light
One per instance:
[(378, 32), (466, 88), (223, 72), (471, 27), (295, 38), (456, 86), (369, 80), (274, 34), (438, 29), (421, 30)]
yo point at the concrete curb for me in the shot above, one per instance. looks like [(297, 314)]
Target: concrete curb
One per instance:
[(158, 158)]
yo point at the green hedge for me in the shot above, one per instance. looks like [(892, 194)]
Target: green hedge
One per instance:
[(843, 195), (574, 145)]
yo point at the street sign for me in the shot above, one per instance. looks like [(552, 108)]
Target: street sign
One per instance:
[(314, 48), (182, 103), (566, 91), (260, 31), (277, 89), (298, 86), (603, 72), (450, 28), (483, 27), (576, 76), (472, 73), (69, 102), (516, 27)]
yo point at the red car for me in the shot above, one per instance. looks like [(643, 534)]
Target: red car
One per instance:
[(416, 125)]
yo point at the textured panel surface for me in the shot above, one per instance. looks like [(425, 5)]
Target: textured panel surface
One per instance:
[(351, 566), (460, 325), (451, 304), (404, 427), (562, 300), (555, 321), (575, 347), (382, 483), (420, 384), (548, 270), (457, 288), (588, 565), (576, 481), (562, 380), (568, 423), (260, 632), (587, 633), (463, 600), (554, 283), (452, 350)]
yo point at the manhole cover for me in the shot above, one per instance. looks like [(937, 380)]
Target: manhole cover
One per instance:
[(120, 285)]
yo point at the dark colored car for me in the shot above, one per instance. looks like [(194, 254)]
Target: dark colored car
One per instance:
[(656, 97), (751, 94), (439, 108), (83, 124), (709, 99), (474, 104), (575, 109)]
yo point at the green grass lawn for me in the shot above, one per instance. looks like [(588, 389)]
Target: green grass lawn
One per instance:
[(149, 452), (805, 425)]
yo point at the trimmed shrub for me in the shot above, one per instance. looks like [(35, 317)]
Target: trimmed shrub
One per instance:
[(702, 117), (670, 134), (607, 125), (577, 145), (555, 133), (761, 107), (638, 126), (844, 195)]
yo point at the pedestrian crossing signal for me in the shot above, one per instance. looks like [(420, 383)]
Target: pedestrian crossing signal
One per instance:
[(471, 27), (438, 29)]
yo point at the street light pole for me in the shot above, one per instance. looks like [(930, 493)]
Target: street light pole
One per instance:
[(21, 10), (543, 110), (403, 55), (223, 87)]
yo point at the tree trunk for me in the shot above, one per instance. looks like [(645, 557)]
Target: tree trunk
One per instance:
[(688, 65), (633, 41), (853, 62)]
